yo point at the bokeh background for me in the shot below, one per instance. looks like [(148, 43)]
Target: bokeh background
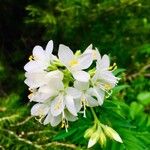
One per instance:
[(120, 28)]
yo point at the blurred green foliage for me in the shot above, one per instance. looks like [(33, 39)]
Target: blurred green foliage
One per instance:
[(120, 28)]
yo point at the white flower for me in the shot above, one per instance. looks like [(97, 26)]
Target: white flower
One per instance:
[(40, 59), (94, 52), (36, 74), (102, 73), (37, 80), (65, 100), (75, 64), (63, 117), (97, 92), (86, 98), (60, 96), (42, 110), (103, 80)]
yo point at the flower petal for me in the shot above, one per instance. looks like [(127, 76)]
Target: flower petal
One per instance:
[(65, 54), (33, 66), (81, 85), (69, 116), (38, 53), (47, 91), (54, 121), (81, 76), (85, 60), (70, 105), (39, 109), (49, 47), (34, 80), (98, 93), (73, 92), (108, 77), (104, 63), (56, 84), (39, 97), (78, 104), (95, 53), (57, 105), (89, 48), (56, 74), (92, 102)]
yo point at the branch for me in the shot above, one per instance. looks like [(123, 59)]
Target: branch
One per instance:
[(40, 132), (143, 69), (21, 139), (9, 117), (23, 122), (61, 144)]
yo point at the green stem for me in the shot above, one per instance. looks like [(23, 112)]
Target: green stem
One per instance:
[(95, 116)]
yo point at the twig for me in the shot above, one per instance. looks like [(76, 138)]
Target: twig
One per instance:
[(21, 139), (9, 117), (39, 132), (140, 72), (23, 122), (61, 144)]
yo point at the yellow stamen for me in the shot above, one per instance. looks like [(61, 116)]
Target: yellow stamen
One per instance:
[(57, 106), (30, 95), (65, 124), (31, 58), (73, 62), (94, 54), (113, 67), (107, 86), (84, 104)]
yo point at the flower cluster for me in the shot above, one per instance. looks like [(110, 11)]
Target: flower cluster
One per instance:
[(64, 85)]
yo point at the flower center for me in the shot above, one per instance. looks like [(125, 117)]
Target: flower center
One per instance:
[(64, 122), (107, 86), (73, 62), (84, 103), (58, 105), (113, 67), (94, 54), (31, 58)]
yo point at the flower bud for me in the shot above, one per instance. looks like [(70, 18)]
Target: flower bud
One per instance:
[(102, 139), (93, 139), (112, 134), (78, 53), (89, 132)]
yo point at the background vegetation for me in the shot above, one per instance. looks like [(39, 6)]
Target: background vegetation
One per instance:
[(120, 28)]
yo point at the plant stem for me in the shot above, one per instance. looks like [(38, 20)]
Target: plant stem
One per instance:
[(95, 116)]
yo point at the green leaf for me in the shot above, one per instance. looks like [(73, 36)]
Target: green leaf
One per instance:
[(119, 88), (64, 134), (144, 98), (135, 109), (118, 71), (144, 48)]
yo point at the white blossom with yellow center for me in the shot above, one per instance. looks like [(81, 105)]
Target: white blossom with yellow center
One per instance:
[(75, 64), (36, 68), (86, 99), (103, 79)]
